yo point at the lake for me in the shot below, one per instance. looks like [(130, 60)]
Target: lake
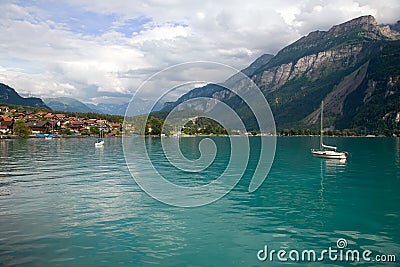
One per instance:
[(64, 202)]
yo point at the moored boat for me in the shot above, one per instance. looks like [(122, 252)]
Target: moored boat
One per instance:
[(325, 151), (99, 142)]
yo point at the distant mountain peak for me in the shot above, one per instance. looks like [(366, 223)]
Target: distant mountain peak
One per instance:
[(139, 106), (356, 31), (354, 67), (367, 27), (367, 20), (67, 104)]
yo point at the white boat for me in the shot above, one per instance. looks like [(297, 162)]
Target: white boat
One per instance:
[(325, 151), (99, 142), (49, 136)]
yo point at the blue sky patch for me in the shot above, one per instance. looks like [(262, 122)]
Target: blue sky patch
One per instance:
[(20, 64), (85, 22)]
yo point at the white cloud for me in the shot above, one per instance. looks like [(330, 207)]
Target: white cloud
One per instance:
[(96, 49), (165, 32), (314, 15)]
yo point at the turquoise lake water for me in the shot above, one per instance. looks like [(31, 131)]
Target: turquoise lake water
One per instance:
[(64, 202)]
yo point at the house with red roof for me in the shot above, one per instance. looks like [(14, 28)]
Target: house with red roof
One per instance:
[(116, 126), (49, 116), (6, 124), (39, 126), (59, 116)]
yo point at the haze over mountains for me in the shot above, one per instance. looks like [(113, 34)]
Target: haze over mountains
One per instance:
[(70, 104), (8, 95), (354, 67)]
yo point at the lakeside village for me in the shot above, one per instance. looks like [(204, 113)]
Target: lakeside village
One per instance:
[(21, 122), (26, 122), (17, 121)]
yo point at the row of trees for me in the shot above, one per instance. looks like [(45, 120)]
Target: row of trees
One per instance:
[(204, 126), (297, 132), (201, 125)]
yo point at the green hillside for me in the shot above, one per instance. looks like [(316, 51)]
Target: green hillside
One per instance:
[(67, 104), (9, 96), (353, 67)]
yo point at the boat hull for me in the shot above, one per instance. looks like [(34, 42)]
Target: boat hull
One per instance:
[(329, 154), (99, 143)]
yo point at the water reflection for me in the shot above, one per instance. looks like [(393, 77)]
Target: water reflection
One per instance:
[(64, 201), (333, 167), (398, 152)]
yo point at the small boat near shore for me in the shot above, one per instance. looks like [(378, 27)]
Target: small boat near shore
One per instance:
[(325, 151), (99, 142), (46, 136)]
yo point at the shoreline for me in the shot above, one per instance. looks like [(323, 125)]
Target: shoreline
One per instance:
[(188, 136), (53, 137)]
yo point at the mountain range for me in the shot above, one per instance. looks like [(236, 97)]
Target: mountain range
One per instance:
[(141, 106), (8, 95), (354, 67)]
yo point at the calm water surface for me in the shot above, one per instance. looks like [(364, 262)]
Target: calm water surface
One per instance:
[(65, 203)]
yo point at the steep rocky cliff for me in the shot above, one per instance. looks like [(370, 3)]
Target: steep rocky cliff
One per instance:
[(354, 67)]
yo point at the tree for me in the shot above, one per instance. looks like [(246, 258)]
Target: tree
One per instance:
[(94, 130), (67, 131), (203, 125), (21, 128), (154, 126)]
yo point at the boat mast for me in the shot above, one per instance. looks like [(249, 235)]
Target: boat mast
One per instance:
[(322, 122)]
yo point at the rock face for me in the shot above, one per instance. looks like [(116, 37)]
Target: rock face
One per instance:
[(311, 66), (321, 52), (352, 67)]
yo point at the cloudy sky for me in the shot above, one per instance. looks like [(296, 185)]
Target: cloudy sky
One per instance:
[(101, 51)]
